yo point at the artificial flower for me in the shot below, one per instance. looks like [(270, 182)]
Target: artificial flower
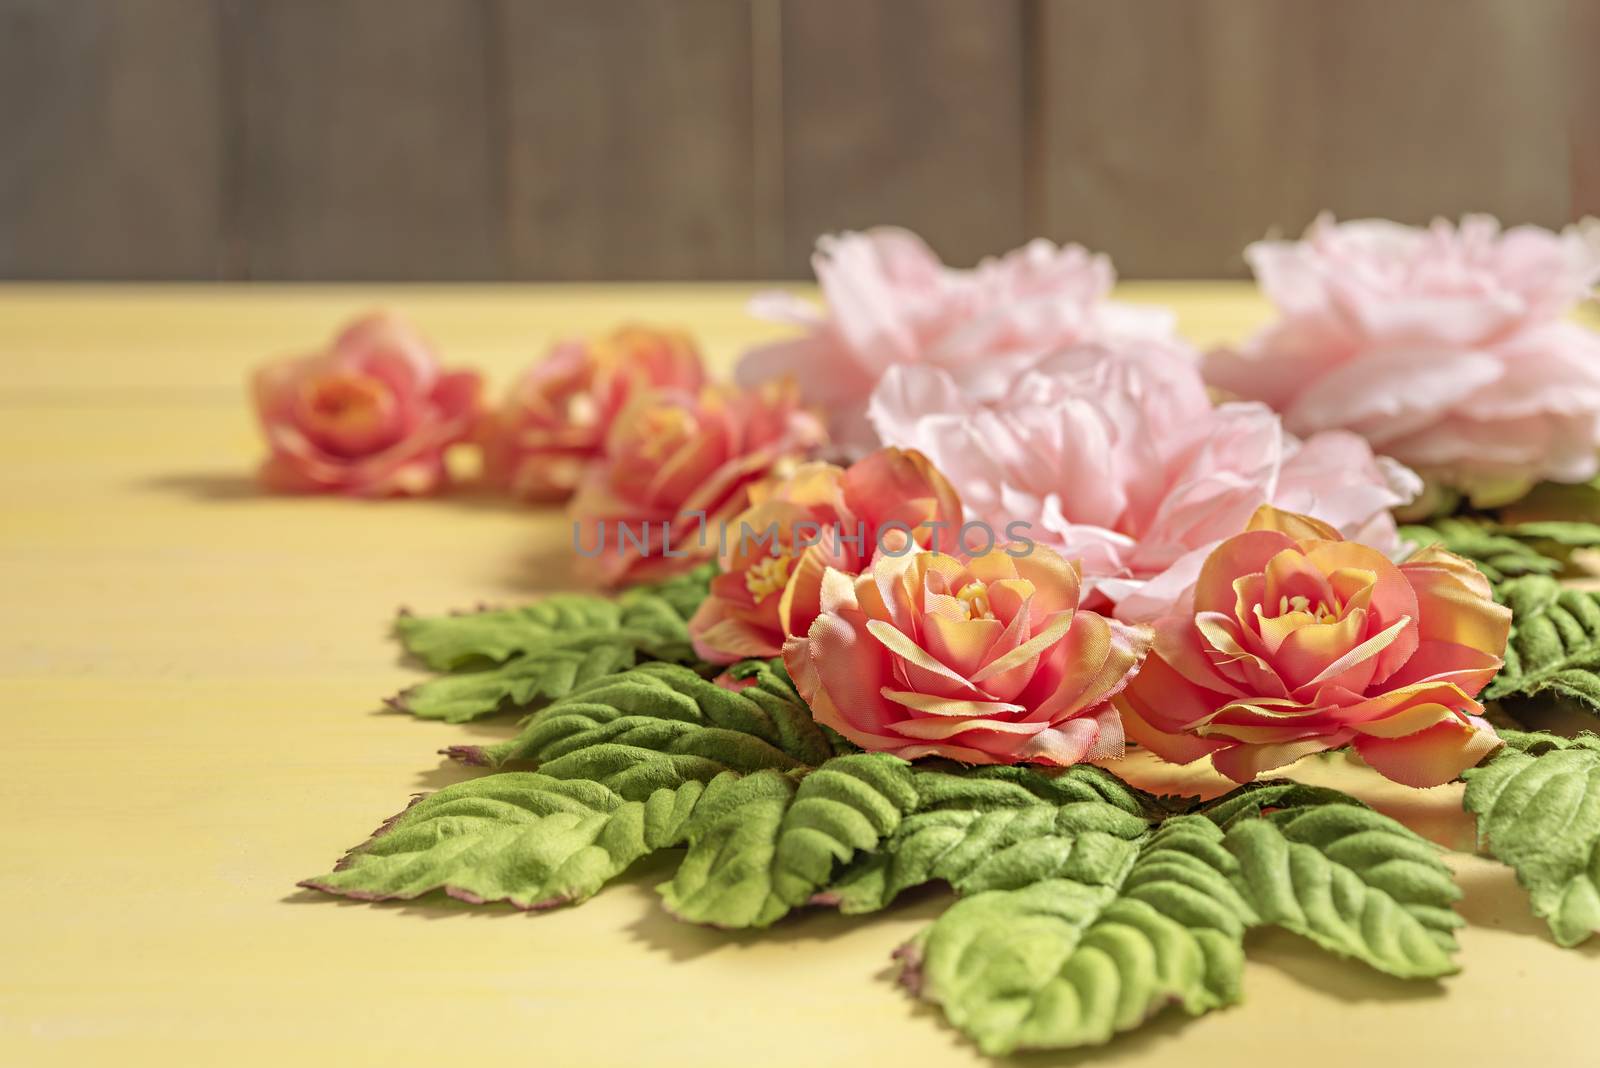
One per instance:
[(1300, 641), (369, 416), (678, 465), (1444, 347), (891, 302), (1112, 454), (556, 417), (822, 516), (986, 660)]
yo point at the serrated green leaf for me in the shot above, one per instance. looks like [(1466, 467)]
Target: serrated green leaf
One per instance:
[(1268, 796), (518, 837), (764, 844), (519, 682), (1537, 743), (668, 709), (1352, 880), (1555, 643), (1566, 533), (1062, 963), (1538, 810), (651, 620), (989, 831), (1498, 554)]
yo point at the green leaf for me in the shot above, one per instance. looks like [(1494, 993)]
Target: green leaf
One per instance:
[(519, 837), (1538, 809), (764, 844), (1352, 880), (989, 831), (519, 682), (658, 709), (1537, 743), (1555, 643), (1267, 796), (1498, 554), (649, 619), (1063, 963)]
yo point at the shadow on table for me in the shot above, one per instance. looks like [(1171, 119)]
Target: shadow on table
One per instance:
[(206, 486)]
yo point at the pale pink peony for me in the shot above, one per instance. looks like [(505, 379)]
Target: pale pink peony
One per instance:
[(1299, 641), (1444, 347), (677, 467), (556, 417), (820, 517), (370, 416), (890, 301), (988, 660), (1113, 455)]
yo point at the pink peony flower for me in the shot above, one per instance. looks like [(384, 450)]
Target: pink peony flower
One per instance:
[(1113, 455), (820, 517), (891, 302), (370, 416), (1445, 348), (677, 467), (1300, 641), (556, 417), (987, 660)]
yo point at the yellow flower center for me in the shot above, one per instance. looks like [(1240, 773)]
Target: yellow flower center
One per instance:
[(1300, 605), (664, 430), (767, 576), (974, 596)]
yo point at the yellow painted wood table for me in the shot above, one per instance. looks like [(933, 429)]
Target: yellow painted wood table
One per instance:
[(190, 676)]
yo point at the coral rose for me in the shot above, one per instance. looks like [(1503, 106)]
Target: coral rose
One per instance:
[(1301, 641), (1445, 348), (677, 467), (370, 416), (1112, 454), (821, 517), (890, 301), (556, 417), (987, 660)]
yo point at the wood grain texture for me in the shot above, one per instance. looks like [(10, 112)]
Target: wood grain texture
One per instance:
[(366, 139), (906, 112), (630, 139), (1582, 56), (1175, 131), (111, 165)]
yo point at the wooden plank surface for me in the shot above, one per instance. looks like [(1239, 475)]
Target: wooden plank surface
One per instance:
[(365, 139), (631, 139), (1173, 132), (110, 141), (906, 112), (189, 679)]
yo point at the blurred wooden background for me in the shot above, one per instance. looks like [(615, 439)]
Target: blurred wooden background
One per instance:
[(647, 139)]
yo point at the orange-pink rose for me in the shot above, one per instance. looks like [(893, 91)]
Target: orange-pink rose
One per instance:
[(987, 660), (678, 465), (822, 516), (1301, 642), (555, 420), (370, 416)]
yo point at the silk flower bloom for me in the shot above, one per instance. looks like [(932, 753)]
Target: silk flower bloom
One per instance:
[(1300, 641), (369, 416), (1115, 457), (890, 301), (797, 527), (1444, 347), (987, 660)]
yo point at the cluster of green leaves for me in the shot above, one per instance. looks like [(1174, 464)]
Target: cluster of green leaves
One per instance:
[(1507, 550), (1085, 906), (511, 659)]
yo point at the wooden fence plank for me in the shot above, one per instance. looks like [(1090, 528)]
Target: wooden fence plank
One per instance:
[(907, 112), (1175, 131), (110, 140), (370, 145), (631, 141)]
